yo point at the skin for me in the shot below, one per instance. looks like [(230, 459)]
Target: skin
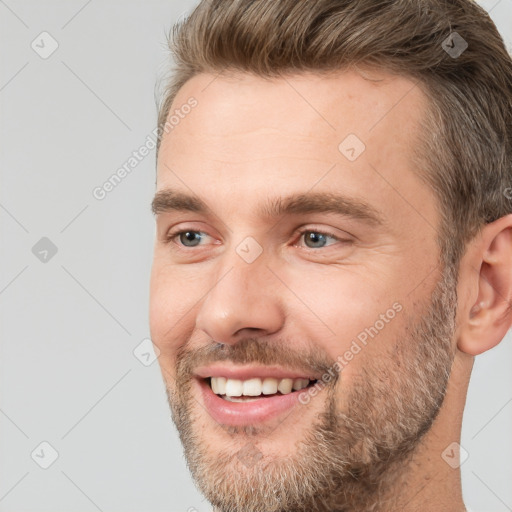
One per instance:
[(250, 139)]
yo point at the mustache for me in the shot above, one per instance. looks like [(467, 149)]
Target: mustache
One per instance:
[(310, 359)]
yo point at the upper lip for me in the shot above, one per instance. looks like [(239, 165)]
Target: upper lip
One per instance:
[(246, 372)]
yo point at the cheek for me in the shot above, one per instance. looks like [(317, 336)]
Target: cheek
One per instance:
[(340, 301), (347, 314), (171, 315)]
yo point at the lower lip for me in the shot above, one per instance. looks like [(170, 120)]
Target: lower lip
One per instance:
[(247, 413)]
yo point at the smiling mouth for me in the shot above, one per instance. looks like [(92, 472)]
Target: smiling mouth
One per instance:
[(235, 390)]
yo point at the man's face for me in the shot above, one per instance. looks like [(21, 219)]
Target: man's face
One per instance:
[(267, 274)]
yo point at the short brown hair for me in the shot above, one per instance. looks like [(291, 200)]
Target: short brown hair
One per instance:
[(466, 149)]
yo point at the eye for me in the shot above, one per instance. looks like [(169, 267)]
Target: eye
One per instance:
[(187, 238), (315, 239), (190, 238)]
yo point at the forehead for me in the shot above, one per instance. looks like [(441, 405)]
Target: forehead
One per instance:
[(266, 136), (321, 107)]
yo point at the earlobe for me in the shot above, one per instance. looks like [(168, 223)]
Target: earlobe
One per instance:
[(490, 316)]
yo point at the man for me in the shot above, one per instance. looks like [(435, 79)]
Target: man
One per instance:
[(333, 246)]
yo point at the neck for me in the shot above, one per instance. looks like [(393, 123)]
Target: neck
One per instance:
[(430, 479), (422, 484)]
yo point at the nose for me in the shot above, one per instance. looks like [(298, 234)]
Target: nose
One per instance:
[(243, 301)]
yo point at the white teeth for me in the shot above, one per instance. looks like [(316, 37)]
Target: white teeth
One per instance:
[(255, 386), (221, 385), (252, 387), (269, 386), (234, 387), (285, 386)]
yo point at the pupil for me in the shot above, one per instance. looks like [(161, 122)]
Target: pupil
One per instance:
[(315, 238), (189, 236)]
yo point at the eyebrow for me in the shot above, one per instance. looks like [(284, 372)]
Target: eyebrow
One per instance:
[(169, 200)]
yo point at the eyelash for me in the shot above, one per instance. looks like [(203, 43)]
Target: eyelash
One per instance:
[(170, 237)]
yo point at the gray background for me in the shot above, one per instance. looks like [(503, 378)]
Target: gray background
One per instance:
[(69, 325)]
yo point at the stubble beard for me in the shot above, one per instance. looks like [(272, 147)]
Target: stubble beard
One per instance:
[(348, 459)]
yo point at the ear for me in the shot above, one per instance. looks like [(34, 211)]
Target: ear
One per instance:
[(488, 318)]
